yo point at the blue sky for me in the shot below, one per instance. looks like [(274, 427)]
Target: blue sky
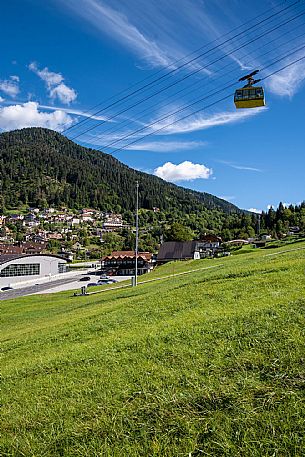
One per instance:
[(59, 58)]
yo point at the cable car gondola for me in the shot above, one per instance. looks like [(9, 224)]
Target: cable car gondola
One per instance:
[(249, 96)]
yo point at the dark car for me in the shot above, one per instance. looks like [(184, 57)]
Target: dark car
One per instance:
[(85, 278), (91, 284), (6, 288)]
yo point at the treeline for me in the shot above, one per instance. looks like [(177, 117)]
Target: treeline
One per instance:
[(281, 220), (40, 167)]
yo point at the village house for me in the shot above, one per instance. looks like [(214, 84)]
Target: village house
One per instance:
[(22, 248), (208, 246), (113, 222), (15, 217), (122, 263), (54, 236)]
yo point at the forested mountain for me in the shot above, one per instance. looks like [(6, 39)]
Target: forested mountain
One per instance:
[(40, 167)]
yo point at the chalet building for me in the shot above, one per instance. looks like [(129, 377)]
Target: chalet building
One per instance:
[(113, 222), (22, 248), (122, 263), (6, 249), (208, 246)]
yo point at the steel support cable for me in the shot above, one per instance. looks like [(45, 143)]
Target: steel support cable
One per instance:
[(175, 62), (204, 108), (231, 84), (189, 75), (185, 64), (194, 85)]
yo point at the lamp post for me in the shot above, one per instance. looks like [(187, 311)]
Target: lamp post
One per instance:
[(137, 234)]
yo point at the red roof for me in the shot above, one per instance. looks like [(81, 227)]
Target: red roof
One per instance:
[(128, 254)]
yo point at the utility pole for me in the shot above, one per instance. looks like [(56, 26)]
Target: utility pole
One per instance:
[(259, 225), (137, 233)]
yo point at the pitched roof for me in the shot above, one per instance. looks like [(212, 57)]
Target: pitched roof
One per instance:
[(128, 254), (176, 250)]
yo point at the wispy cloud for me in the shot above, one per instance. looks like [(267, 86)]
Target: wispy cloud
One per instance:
[(108, 20), (185, 171), (193, 123), (10, 86), (76, 112), (206, 121), (166, 146), (287, 82), (240, 167)]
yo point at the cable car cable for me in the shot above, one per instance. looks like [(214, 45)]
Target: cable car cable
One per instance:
[(177, 61), (202, 109), (195, 102), (187, 63), (189, 75), (128, 122)]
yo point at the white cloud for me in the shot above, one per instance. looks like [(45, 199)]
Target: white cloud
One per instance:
[(51, 78), (185, 171), (2, 99), (166, 146), (15, 78), (254, 210), (10, 86), (64, 93), (55, 84), (28, 115)]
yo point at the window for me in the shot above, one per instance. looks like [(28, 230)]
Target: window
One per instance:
[(62, 268), (19, 269), (259, 93), (238, 95)]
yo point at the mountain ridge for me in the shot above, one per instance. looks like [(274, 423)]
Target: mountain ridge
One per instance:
[(39, 166)]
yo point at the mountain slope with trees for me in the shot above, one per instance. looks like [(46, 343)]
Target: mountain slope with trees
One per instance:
[(40, 167)]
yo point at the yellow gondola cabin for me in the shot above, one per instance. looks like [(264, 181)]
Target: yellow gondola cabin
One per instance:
[(249, 97)]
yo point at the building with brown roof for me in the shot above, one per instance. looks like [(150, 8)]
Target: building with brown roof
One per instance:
[(123, 263)]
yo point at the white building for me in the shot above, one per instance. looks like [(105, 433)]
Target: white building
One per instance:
[(24, 268)]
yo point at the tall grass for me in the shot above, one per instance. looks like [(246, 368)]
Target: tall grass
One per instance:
[(210, 363)]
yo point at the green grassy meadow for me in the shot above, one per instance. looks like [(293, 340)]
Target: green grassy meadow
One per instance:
[(210, 363)]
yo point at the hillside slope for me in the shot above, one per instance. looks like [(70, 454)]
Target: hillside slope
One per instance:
[(40, 166), (208, 363)]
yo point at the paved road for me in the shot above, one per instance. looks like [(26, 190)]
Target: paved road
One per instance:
[(58, 285), (28, 290)]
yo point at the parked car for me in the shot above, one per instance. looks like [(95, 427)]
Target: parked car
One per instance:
[(91, 284), (104, 277), (6, 288), (85, 278), (106, 281)]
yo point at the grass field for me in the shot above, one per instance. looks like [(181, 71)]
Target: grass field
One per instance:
[(209, 363)]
